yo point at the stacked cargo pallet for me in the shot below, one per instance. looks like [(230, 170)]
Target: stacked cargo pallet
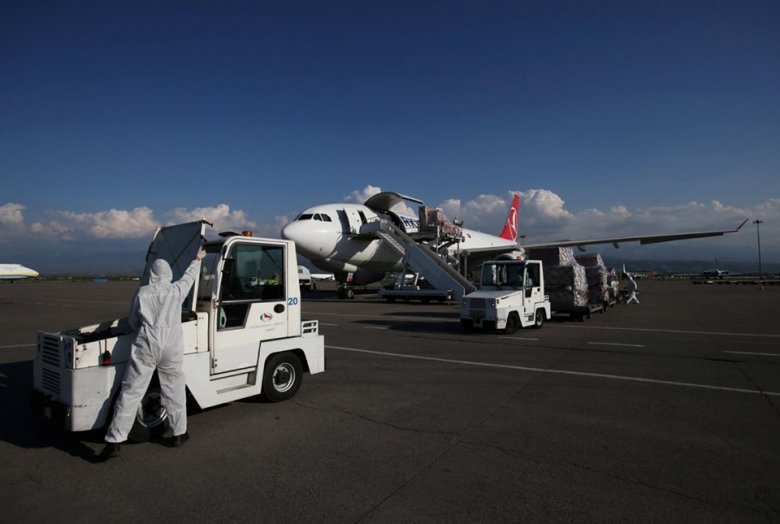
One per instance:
[(564, 278), (597, 275)]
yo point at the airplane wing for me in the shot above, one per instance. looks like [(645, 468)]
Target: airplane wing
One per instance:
[(642, 239)]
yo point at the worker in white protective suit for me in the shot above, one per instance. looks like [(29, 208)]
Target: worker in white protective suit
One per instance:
[(155, 316), (631, 288)]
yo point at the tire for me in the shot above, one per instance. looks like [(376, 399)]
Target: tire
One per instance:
[(512, 323), (539, 318), (341, 293), (350, 293), (151, 419), (282, 377)]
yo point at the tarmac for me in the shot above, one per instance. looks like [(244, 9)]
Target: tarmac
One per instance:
[(664, 411)]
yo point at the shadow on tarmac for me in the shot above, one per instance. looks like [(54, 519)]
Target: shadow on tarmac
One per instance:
[(25, 428)]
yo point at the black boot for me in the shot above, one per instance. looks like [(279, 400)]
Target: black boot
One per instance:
[(111, 450), (178, 440)]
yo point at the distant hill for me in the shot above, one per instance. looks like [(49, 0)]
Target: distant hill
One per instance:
[(690, 266)]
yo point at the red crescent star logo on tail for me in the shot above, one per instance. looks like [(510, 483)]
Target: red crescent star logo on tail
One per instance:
[(511, 223), (510, 227)]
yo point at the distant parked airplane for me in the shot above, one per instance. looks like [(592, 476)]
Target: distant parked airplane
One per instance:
[(16, 272)]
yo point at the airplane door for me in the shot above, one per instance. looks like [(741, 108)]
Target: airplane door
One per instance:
[(344, 219), (351, 220), (251, 305)]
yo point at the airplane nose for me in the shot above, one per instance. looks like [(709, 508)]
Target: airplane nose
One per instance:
[(289, 232), (308, 239)]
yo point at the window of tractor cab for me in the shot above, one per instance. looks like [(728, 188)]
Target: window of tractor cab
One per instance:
[(208, 271), (251, 273)]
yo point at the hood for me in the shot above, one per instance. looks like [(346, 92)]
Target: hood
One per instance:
[(160, 272)]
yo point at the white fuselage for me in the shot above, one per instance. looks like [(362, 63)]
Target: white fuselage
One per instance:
[(16, 272), (328, 236)]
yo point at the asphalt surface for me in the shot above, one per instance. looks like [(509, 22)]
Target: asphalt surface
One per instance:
[(664, 411)]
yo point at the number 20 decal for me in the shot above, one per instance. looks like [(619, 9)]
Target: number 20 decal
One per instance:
[(292, 301)]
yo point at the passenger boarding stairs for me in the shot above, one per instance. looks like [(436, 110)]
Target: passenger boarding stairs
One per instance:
[(421, 259)]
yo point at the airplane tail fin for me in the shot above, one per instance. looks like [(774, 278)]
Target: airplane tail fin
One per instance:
[(510, 228)]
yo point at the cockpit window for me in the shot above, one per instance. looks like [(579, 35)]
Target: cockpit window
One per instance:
[(318, 217), (325, 218), (305, 216)]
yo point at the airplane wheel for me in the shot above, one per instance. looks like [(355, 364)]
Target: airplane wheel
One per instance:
[(341, 293), (350, 293)]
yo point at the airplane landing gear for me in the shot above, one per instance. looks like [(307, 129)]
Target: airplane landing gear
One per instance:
[(344, 292)]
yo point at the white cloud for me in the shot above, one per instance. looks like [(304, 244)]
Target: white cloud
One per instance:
[(361, 195), (221, 216), (114, 223), (52, 229), (12, 218), (271, 228)]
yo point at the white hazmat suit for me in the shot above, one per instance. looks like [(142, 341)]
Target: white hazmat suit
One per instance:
[(156, 317), (632, 287)]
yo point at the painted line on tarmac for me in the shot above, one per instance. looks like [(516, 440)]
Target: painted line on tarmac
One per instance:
[(560, 372), (616, 344), (680, 331), (19, 346), (375, 327), (521, 338), (326, 324), (753, 353)]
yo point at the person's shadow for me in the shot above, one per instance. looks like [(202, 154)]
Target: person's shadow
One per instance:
[(26, 427)]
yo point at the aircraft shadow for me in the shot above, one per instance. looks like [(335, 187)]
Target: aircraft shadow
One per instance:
[(454, 315), (416, 327)]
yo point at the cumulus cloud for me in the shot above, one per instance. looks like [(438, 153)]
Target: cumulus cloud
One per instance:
[(12, 218), (139, 222), (114, 223), (221, 216), (361, 195)]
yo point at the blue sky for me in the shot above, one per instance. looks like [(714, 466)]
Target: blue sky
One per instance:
[(608, 117)]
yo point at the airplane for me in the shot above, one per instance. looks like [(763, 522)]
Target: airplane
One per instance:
[(329, 236), (14, 272)]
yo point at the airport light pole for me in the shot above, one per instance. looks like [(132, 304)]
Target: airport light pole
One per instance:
[(758, 222)]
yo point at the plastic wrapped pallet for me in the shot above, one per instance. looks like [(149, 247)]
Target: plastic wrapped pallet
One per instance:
[(567, 286), (590, 260), (597, 275), (597, 284), (553, 256)]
